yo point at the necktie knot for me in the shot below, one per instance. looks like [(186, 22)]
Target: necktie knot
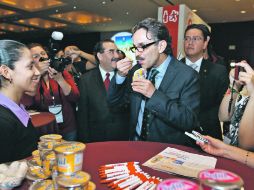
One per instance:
[(153, 74), (194, 66)]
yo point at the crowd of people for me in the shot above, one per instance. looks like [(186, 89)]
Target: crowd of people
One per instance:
[(96, 98)]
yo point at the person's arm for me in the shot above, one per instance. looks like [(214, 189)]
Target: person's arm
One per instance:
[(224, 114), (219, 148), (246, 129), (119, 84), (90, 65), (58, 77), (66, 83), (87, 56)]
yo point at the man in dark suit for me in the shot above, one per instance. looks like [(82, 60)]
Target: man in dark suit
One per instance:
[(162, 111), (213, 78), (98, 122)]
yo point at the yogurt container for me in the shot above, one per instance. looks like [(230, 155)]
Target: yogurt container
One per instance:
[(36, 154), (42, 185), (69, 157), (48, 162), (77, 181), (35, 174), (177, 183), (51, 137), (217, 179)]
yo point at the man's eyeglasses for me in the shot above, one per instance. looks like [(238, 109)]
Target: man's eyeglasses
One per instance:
[(193, 38), (142, 48)]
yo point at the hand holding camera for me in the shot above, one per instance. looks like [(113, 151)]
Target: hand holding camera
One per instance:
[(243, 75), (42, 65), (57, 76)]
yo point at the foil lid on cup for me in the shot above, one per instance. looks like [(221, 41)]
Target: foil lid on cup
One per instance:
[(176, 183), (220, 179)]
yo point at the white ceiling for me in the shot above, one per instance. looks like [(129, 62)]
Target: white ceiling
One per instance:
[(125, 13)]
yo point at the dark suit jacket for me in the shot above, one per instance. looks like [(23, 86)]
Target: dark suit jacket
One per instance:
[(96, 121), (174, 105), (214, 82)]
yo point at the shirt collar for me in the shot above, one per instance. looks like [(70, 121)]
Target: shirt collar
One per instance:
[(103, 73), (163, 67), (19, 111), (198, 63)]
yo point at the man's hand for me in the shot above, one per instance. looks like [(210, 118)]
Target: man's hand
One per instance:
[(123, 66), (143, 86)]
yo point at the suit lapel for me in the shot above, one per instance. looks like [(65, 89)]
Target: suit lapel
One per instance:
[(168, 77), (99, 82), (203, 72)]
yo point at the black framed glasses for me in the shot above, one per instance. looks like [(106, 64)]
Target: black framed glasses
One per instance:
[(142, 48), (194, 39)]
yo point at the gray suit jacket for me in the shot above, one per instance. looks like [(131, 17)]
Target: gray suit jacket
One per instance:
[(174, 106)]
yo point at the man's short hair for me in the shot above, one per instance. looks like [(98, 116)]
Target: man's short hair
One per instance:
[(98, 48), (203, 28), (158, 31)]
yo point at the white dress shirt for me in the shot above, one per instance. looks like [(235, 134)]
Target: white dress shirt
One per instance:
[(196, 65)]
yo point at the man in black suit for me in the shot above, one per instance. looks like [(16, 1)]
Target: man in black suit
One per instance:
[(162, 111), (213, 78), (98, 122)]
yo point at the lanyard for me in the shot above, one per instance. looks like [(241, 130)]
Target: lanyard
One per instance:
[(50, 92)]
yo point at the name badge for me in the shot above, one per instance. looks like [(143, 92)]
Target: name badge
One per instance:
[(58, 112)]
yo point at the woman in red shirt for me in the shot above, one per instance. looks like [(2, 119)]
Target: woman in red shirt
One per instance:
[(56, 93)]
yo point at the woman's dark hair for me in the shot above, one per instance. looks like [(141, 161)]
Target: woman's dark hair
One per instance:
[(10, 53), (32, 45), (158, 31), (98, 48)]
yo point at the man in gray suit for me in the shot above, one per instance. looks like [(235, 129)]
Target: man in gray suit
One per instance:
[(165, 110), (98, 122)]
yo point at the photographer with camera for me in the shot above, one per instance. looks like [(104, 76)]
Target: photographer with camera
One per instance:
[(80, 61), (237, 107), (56, 92)]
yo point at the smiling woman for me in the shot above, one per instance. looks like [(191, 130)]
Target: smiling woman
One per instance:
[(18, 75)]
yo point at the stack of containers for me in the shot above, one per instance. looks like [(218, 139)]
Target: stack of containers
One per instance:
[(60, 160), (44, 159)]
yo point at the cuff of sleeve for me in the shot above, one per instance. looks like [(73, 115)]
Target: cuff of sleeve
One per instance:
[(119, 79)]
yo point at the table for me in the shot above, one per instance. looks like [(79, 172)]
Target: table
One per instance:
[(101, 153), (45, 123)]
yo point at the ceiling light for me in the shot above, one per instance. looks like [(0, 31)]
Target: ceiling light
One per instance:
[(103, 2), (194, 10), (127, 13), (74, 7), (237, 0), (243, 12)]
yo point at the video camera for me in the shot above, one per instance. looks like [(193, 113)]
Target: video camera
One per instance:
[(58, 64)]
